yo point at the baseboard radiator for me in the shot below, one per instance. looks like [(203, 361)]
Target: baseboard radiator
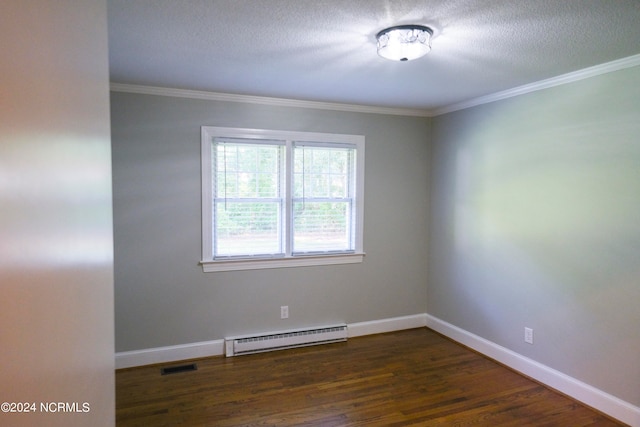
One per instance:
[(248, 344)]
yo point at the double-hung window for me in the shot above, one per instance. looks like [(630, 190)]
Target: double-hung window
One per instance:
[(280, 199)]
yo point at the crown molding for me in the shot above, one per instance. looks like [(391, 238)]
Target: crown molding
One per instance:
[(277, 102), (608, 67)]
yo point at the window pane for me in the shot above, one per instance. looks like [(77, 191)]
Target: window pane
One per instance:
[(247, 228), (322, 172), (244, 170), (322, 226), (247, 219)]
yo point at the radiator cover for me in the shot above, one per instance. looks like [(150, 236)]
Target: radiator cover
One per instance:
[(249, 344)]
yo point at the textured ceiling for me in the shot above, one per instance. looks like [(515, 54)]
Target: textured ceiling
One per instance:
[(325, 50)]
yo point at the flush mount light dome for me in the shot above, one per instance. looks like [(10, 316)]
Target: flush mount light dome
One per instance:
[(404, 42)]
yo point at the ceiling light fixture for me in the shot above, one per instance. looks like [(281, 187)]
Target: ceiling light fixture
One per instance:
[(404, 42)]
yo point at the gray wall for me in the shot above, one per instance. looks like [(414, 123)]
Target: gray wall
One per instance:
[(56, 247), (535, 222), (162, 296)]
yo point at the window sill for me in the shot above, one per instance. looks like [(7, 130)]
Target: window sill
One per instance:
[(300, 261)]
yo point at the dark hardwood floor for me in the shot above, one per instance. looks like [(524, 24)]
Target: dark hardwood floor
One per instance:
[(415, 377)]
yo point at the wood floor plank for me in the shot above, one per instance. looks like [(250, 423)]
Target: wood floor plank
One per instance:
[(407, 378)]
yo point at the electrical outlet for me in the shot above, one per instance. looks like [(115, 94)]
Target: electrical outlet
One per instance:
[(528, 335), (284, 312)]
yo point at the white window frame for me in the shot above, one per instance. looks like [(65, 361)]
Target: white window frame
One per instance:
[(209, 264)]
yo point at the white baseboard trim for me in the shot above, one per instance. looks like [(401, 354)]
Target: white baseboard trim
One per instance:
[(387, 325), (150, 356), (589, 395)]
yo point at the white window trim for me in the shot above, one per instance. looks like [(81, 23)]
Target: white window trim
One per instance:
[(208, 133)]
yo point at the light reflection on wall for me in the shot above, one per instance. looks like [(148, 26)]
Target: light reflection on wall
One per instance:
[(536, 223), (64, 235), (572, 196)]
